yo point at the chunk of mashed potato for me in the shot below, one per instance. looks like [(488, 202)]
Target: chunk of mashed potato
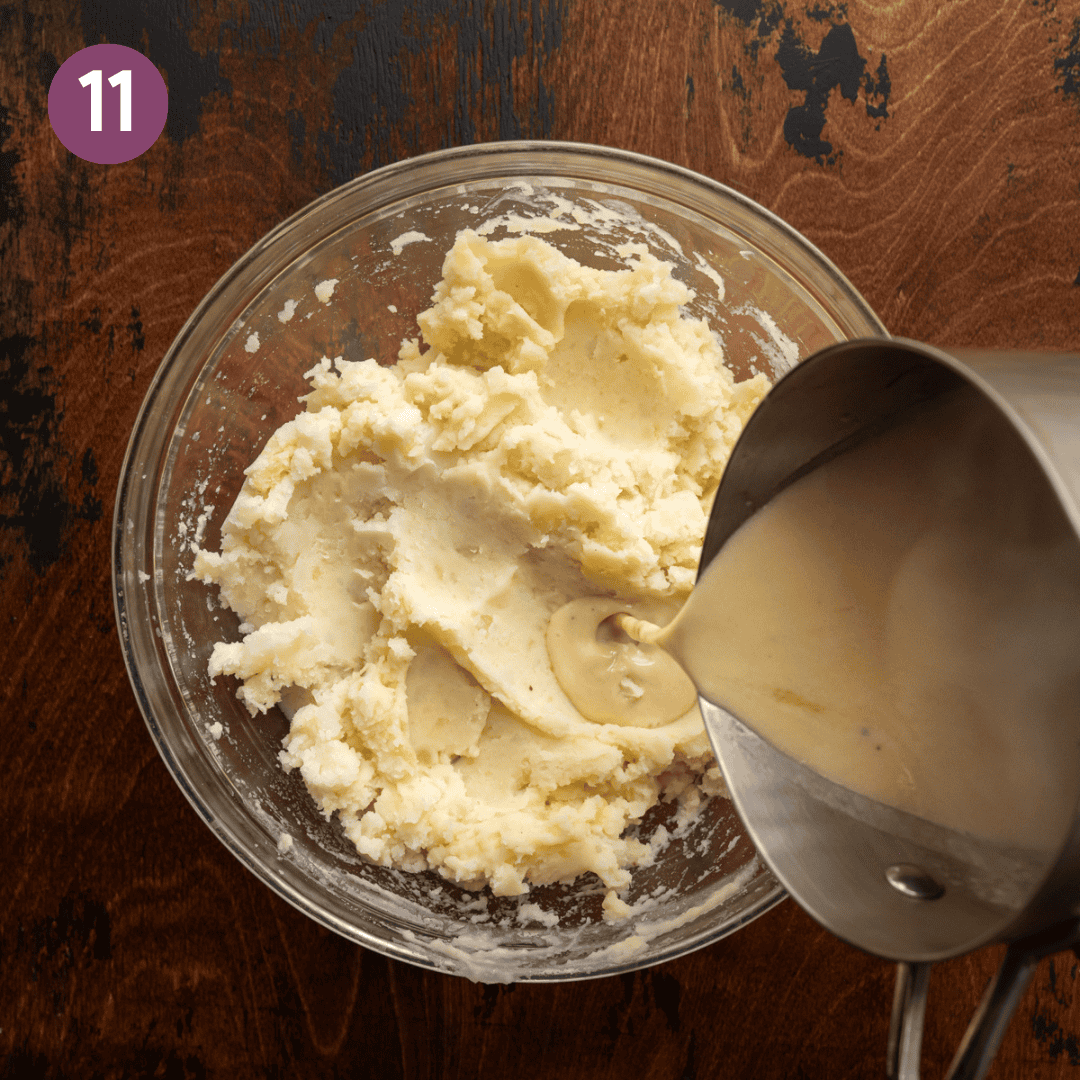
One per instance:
[(396, 551)]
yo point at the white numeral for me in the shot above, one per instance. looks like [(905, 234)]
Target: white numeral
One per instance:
[(121, 79), (93, 80)]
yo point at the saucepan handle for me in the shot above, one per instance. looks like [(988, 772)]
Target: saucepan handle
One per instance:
[(987, 1027), (984, 1033), (906, 1026)]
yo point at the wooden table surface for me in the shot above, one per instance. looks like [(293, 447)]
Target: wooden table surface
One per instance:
[(932, 151)]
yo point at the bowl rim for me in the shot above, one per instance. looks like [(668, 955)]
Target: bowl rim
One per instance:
[(135, 494)]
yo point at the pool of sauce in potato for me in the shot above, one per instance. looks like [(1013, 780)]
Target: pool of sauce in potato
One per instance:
[(904, 619)]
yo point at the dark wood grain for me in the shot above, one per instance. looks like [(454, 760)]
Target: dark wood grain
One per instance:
[(933, 152)]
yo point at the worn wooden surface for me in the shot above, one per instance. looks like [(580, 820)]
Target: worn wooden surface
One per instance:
[(932, 151)]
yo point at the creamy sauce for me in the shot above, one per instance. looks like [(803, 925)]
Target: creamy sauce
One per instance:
[(610, 678), (904, 620)]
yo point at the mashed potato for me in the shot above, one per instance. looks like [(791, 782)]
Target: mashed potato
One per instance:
[(397, 550)]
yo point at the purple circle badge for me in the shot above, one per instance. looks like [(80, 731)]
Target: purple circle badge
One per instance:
[(108, 104)]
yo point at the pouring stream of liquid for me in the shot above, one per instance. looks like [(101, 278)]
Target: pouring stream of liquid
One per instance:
[(901, 619)]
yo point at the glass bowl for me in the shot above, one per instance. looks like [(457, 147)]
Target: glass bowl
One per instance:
[(770, 296)]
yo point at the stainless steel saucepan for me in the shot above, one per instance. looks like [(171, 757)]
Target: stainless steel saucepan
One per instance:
[(884, 880)]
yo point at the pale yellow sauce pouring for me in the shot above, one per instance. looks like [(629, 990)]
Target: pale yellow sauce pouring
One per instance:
[(901, 619)]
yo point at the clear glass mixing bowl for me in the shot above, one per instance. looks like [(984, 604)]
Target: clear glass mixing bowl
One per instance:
[(770, 296)]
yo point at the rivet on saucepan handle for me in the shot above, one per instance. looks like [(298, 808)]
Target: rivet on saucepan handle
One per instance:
[(913, 881)]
